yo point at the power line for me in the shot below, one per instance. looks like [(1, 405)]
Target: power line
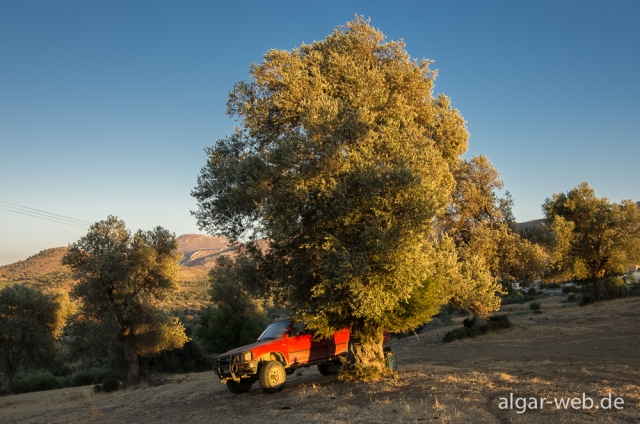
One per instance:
[(41, 212), (45, 217)]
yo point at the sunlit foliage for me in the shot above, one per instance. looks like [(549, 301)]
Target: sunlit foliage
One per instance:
[(593, 236), (341, 160), (120, 276)]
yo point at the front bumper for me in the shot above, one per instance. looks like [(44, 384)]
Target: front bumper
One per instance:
[(227, 368)]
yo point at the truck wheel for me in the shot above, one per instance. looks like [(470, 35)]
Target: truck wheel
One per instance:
[(328, 368), (272, 376), (242, 387)]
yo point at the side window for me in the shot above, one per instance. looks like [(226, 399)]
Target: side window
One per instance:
[(297, 329)]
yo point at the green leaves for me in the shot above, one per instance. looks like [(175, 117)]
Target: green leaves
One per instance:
[(341, 161), (239, 317), (120, 277), (30, 322), (592, 235)]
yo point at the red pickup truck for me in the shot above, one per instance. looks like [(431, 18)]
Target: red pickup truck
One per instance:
[(281, 349)]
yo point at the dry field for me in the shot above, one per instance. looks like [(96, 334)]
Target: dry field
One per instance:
[(562, 353)]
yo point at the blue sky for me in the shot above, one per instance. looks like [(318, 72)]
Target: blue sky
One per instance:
[(106, 106)]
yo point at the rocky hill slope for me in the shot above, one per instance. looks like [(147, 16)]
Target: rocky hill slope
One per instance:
[(44, 269)]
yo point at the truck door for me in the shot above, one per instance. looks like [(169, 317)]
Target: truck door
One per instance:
[(302, 348), (338, 343)]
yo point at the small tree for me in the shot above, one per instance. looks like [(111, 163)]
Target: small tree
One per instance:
[(120, 276), (30, 323), (593, 236), (482, 225), (238, 318)]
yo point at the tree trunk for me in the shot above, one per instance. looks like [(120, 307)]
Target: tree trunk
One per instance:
[(479, 322), (133, 367), (9, 372), (365, 347), (601, 291)]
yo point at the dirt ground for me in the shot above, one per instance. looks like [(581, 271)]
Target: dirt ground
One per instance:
[(561, 353)]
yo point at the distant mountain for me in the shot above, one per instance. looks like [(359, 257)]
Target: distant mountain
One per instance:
[(530, 223), (200, 253)]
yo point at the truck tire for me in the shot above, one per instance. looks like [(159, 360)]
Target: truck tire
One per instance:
[(272, 376), (242, 387), (328, 368)]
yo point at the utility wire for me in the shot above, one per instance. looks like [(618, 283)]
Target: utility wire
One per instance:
[(42, 215), (36, 216), (41, 212), (45, 217)]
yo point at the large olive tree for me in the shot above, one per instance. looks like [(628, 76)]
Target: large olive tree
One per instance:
[(341, 161), (120, 277)]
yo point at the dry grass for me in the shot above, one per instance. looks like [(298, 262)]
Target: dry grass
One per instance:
[(562, 352)]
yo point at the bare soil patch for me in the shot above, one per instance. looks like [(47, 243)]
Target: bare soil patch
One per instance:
[(563, 352)]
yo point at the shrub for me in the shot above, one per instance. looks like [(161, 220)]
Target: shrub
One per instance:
[(448, 309), (93, 376), (468, 322), (445, 318), (552, 286), (571, 289), (634, 289), (457, 334), (534, 306), (572, 297), (513, 298), (110, 384), (36, 381), (189, 358), (499, 321), (586, 299), (615, 287), (532, 291), (62, 371), (495, 322)]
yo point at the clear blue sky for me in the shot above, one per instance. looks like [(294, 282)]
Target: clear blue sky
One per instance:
[(106, 106)]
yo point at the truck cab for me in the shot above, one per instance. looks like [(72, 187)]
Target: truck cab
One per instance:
[(283, 347)]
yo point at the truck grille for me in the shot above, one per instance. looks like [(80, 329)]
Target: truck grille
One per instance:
[(223, 361)]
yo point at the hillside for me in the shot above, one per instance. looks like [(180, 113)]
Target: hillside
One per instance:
[(45, 271), (200, 253), (40, 264), (561, 353), (42, 270)]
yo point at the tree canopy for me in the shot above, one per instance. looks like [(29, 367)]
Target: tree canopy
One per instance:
[(342, 159), (238, 318), (475, 201), (593, 236), (481, 223), (30, 323), (120, 277)]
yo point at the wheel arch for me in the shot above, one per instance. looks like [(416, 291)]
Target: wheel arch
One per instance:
[(273, 356)]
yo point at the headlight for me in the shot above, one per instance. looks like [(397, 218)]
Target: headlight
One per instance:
[(247, 356)]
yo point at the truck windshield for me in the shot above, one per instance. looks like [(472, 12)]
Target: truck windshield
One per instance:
[(275, 330)]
